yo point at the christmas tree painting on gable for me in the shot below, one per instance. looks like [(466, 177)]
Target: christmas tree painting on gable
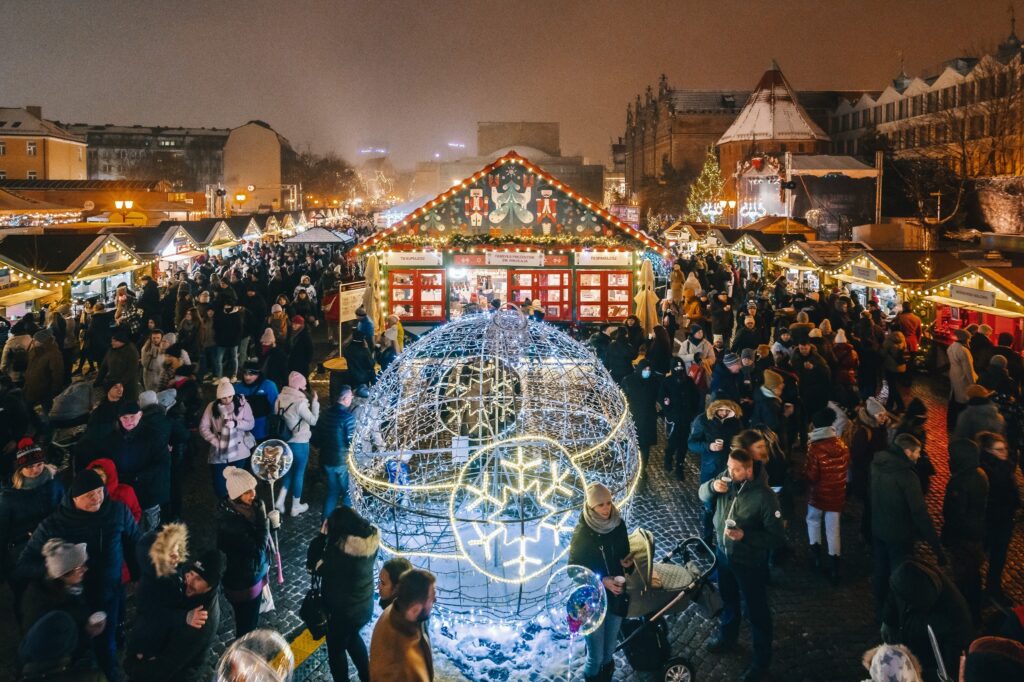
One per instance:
[(511, 201)]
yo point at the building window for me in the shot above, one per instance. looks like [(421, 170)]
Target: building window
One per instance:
[(32, 175), (890, 111), (3, 175), (3, 148), (31, 148)]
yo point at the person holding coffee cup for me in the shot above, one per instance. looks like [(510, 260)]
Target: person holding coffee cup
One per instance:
[(748, 525), (600, 542), (710, 435)]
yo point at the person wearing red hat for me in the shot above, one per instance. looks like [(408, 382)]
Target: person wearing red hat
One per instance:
[(300, 347)]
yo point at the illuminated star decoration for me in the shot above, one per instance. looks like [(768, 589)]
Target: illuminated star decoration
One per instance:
[(518, 516), (479, 399)]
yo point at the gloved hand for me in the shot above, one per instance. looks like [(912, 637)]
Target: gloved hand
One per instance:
[(274, 517)]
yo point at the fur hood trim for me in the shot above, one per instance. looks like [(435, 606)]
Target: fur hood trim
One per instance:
[(719, 404), (362, 547), (171, 536)]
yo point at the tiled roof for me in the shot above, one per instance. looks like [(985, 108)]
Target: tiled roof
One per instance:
[(18, 121), (773, 113)]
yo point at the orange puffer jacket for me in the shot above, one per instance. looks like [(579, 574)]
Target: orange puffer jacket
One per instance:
[(828, 461)]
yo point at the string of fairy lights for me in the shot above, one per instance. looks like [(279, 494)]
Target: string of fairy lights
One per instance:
[(474, 452)]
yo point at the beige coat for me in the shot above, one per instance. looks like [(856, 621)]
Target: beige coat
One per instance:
[(400, 651)]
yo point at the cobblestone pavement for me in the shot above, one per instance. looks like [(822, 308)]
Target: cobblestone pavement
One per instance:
[(820, 630)]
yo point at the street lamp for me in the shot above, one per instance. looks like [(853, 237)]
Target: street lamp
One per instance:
[(123, 205), (732, 212)]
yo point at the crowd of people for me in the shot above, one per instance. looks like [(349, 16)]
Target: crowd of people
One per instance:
[(785, 400), (784, 397), (200, 366)]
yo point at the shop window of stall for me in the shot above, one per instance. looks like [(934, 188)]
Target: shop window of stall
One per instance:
[(547, 289), (604, 295), (417, 294)]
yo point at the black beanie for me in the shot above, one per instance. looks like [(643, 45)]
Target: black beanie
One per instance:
[(86, 481), (210, 567), (826, 416)]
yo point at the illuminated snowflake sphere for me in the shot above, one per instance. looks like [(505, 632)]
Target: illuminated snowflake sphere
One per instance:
[(473, 453)]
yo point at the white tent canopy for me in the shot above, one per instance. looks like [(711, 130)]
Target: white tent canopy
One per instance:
[(321, 235), (820, 165)]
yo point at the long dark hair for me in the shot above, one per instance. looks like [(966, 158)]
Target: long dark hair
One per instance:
[(345, 521)]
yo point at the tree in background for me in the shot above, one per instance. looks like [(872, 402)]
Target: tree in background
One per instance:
[(707, 188), (322, 175)]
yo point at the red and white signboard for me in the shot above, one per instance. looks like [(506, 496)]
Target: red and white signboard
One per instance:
[(429, 258), (528, 259), (604, 258)]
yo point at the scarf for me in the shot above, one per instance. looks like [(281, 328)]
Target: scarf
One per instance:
[(599, 525), (822, 432), (42, 479)]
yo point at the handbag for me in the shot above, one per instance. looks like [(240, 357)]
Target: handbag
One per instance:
[(313, 611)]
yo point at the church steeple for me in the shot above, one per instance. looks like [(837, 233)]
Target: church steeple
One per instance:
[(1012, 45)]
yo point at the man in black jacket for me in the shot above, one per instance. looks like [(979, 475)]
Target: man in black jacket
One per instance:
[(300, 347), (186, 621), (680, 400), (963, 520), (333, 436), (361, 370), (227, 335), (899, 516)]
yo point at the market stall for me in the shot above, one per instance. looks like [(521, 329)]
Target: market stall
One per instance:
[(992, 296), (803, 262), (22, 290), (752, 248), (895, 276), (84, 265), (168, 245), (684, 238), (213, 235), (509, 233), (244, 228)]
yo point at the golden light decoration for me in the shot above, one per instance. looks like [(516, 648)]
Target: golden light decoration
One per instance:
[(474, 448)]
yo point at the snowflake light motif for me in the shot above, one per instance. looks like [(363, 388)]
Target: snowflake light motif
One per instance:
[(528, 496)]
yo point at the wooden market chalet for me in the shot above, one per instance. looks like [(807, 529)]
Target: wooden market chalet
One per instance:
[(510, 232)]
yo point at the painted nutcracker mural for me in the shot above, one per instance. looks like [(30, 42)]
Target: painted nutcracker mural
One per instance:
[(476, 207)]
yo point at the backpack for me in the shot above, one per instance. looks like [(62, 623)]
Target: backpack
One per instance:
[(19, 358), (277, 425)]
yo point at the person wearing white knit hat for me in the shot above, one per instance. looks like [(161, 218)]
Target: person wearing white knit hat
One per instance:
[(64, 557), (243, 534), (226, 425)]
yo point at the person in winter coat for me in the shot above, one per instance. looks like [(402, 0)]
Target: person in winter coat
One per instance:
[(620, 356), (710, 436), (814, 374), (697, 348), (747, 337), (676, 279), (34, 494), (400, 644), (899, 516), (828, 461), (243, 534), (261, 394), (121, 364), (142, 461), (227, 335), (747, 526), (332, 437), (981, 347), (344, 556), (634, 334), (160, 555), (980, 414), (996, 377), (118, 492), (914, 421), (680, 403), (642, 388), (278, 322), (106, 527), (387, 580), (722, 317), (725, 379), (921, 596), (961, 376), (226, 425), (300, 347), (14, 360), (895, 364), (999, 465), (659, 351), (44, 375), (299, 412), (600, 542), (844, 372), (1015, 363), (59, 588), (963, 515), (274, 359), (910, 326), (152, 358), (98, 335), (191, 623)]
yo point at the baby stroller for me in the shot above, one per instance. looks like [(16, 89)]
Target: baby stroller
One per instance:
[(661, 588), (67, 421)]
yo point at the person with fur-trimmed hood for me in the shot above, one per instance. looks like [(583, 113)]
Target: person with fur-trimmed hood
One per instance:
[(344, 556), (710, 436), (160, 553)]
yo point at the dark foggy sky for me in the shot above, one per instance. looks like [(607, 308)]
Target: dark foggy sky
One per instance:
[(415, 75)]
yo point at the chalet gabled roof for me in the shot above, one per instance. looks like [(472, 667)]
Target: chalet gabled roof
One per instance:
[(512, 201), (773, 113)]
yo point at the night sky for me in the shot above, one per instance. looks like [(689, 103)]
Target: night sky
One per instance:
[(416, 75)]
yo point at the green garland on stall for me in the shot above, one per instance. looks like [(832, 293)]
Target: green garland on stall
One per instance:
[(456, 241)]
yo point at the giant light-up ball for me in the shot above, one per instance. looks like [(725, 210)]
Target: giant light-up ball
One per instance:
[(473, 452)]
